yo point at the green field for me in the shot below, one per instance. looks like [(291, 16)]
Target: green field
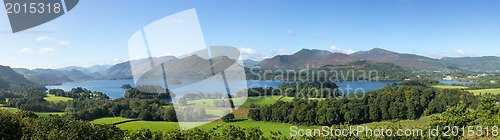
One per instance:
[(56, 99), (261, 100), (449, 87), (41, 114), (484, 91), (9, 109), (46, 114), (109, 120), (159, 125), (214, 112)]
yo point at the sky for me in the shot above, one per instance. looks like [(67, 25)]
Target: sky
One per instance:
[(97, 32)]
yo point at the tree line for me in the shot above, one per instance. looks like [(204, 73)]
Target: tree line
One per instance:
[(149, 92), (408, 100), (295, 89), (78, 92)]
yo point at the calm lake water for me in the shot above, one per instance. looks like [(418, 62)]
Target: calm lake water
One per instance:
[(113, 90)]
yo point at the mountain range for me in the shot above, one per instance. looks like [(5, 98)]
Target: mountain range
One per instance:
[(403, 59), (305, 58), (319, 58)]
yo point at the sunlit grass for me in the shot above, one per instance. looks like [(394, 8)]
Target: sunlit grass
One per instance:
[(56, 99), (109, 120), (9, 109), (449, 87), (46, 114), (41, 114), (484, 91), (161, 125)]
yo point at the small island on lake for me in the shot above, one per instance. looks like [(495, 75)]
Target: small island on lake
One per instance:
[(126, 86)]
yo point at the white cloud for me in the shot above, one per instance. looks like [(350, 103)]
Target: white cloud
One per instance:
[(25, 51), (340, 50), (169, 54), (12, 57), (434, 55), (290, 32), (42, 38), (46, 50), (280, 51), (115, 60), (63, 43), (462, 53), (249, 53)]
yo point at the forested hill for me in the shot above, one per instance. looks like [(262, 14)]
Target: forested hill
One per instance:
[(485, 63), (9, 78), (403, 59)]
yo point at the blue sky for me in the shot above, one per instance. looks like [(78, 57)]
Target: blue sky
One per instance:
[(97, 31)]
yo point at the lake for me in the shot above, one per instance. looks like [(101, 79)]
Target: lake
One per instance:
[(113, 90)]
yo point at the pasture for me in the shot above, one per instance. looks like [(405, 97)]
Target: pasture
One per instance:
[(260, 100), (160, 125), (484, 91), (41, 114), (56, 99), (449, 87), (109, 120)]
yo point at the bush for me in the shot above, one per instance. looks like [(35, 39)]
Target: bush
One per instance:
[(229, 117)]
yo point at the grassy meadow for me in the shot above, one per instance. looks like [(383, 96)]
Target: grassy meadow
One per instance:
[(449, 87), (56, 99), (261, 100), (41, 114), (110, 120), (484, 91), (160, 125)]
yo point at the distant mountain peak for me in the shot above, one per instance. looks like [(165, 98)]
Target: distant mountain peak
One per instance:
[(307, 57), (380, 50), (312, 51)]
